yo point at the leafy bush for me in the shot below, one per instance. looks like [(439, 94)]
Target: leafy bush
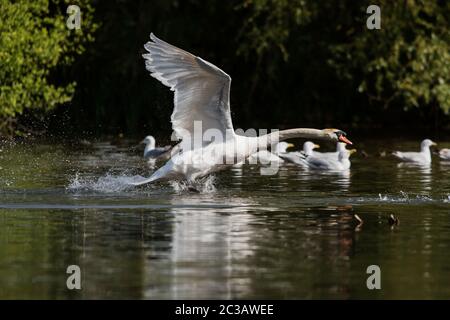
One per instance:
[(34, 43), (403, 66)]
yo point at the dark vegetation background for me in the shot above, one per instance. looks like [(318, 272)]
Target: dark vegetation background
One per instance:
[(297, 63)]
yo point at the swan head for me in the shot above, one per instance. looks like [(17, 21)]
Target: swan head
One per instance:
[(282, 146), (427, 143), (309, 146), (149, 141), (337, 135)]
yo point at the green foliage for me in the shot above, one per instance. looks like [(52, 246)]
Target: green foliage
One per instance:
[(293, 62), (407, 62), (404, 65), (115, 93), (34, 41), (269, 23)]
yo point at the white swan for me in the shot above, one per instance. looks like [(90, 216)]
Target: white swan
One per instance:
[(266, 157), (329, 163), (422, 157), (153, 153), (202, 110)]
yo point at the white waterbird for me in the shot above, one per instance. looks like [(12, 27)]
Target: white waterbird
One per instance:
[(335, 154), (444, 154), (296, 156), (265, 156), (154, 153), (422, 157), (308, 148), (342, 162), (201, 117)]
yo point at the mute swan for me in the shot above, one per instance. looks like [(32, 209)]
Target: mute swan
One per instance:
[(202, 119), (422, 157)]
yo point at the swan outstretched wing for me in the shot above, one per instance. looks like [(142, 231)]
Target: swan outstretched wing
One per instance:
[(202, 91)]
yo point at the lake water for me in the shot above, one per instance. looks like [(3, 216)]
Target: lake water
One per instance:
[(288, 236)]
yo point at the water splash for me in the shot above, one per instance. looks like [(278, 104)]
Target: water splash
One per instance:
[(382, 198), (106, 183), (204, 185), (404, 197), (447, 200), (110, 183)]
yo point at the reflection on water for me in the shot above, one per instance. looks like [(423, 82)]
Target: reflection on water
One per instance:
[(420, 172), (292, 235), (216, 238), (341, 179)]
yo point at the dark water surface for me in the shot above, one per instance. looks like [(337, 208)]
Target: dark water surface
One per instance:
[(292, 235)]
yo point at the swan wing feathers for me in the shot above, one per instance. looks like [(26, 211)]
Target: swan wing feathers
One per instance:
[(201, 90)]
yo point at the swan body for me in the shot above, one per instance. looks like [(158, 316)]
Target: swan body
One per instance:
[(201, 117), (422, 157)]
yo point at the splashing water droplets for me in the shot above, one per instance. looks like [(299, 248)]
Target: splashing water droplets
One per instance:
[(204, 185), (110, 183), (404, 197), (382, 198), (106, 183)]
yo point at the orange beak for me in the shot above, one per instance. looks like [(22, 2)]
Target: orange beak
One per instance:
[(344, 139)]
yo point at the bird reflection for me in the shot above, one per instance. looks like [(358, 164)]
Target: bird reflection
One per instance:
[(219, 241), (411, 171), (213, 233), (339, 178), (237, 174), (343, 179)]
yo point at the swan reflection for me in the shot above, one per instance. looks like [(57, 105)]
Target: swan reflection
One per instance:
[(213, 232)]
